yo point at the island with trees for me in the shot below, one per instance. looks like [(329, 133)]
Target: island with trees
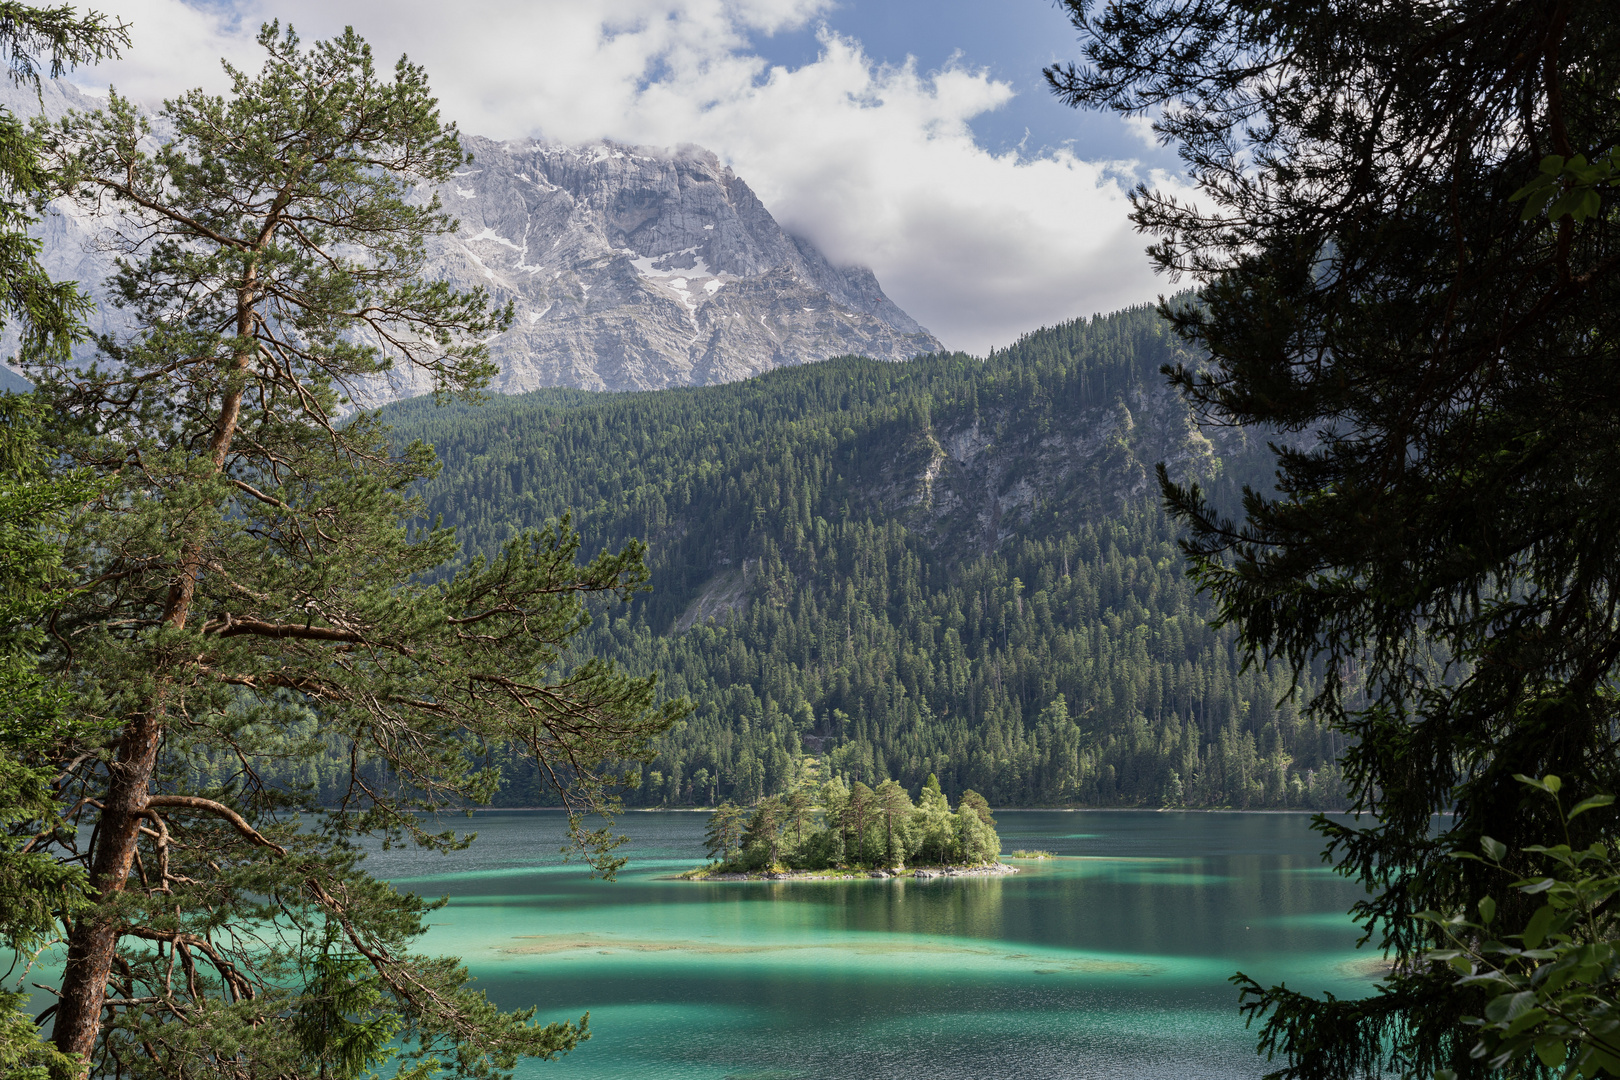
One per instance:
[(836, 830)]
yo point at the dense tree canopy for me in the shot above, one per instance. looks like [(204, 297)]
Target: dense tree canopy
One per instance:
[(34, 505), (834, 826), (1405, 234)]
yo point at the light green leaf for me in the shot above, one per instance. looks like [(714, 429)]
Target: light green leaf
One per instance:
[(1535, 930), (1487, 910), (1548, 783), (1595, 802)]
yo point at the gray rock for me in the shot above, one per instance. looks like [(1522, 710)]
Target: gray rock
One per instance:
[(973, 481), (637, 269), (629, 268)]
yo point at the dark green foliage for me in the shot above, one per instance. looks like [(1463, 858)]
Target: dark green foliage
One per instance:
[(1049, 654), (1406, 234), (338, 1022), (36, 887), (723, 834)]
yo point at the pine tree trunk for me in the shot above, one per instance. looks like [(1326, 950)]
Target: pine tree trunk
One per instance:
[(93, 941)]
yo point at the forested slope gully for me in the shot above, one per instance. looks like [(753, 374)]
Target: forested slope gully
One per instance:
[(948, 565)]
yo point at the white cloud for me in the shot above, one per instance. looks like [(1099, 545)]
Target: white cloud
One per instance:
[(875, 164), (1142, 127)]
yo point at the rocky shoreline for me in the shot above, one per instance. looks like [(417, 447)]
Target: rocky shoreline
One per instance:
[(922, 873)]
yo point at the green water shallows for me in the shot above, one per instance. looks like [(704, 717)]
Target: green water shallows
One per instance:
[(1109, 961)]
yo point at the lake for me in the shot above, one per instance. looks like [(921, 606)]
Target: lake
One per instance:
[(1108, 961)]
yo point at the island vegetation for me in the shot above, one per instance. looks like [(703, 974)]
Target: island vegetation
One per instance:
[(838, 827)]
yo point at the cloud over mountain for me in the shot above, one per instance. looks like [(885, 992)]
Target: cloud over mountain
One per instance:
[(874, 164)]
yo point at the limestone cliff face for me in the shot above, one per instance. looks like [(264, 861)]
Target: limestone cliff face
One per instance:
[(634, 269), (629, 268)]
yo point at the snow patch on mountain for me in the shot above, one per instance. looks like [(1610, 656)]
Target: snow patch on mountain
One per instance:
[(636, 268)]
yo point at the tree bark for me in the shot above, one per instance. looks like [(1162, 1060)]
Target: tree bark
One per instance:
[(94, 939)]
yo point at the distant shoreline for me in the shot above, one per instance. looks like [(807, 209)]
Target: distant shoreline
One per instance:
[(993, 809), (917, 873)]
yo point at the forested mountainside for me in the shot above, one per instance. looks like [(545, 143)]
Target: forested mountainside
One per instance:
[(946, 566)]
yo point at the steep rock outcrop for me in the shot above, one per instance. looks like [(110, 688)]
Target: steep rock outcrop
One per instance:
[(636, 269), (629, 268)]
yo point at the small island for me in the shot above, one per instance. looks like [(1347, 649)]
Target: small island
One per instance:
[(840, 831)]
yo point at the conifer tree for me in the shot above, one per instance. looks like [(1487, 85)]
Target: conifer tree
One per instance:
[(250, 589), (723, 833), (797, 805), (859, 814), (762, 836), (48, 315), (1405, 236), (36, 887), (893, 806)]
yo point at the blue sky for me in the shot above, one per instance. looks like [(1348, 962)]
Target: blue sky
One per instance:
[(1013, 39), (915, 137)]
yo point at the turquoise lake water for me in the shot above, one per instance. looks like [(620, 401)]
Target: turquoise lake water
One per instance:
[(1109, 961)]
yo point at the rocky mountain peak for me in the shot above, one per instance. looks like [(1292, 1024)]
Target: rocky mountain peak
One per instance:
[(630, 268), (634, 268)]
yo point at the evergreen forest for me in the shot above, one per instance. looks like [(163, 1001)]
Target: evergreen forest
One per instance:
[(950, 565)]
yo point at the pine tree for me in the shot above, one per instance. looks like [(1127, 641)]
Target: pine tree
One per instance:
[(797, 805), (251, 591), (762, 836), (1406, 239), (33, 501), (855, 819), (893, 806), (722, 835)]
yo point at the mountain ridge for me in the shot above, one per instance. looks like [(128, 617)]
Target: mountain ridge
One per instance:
[(630, 268)]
